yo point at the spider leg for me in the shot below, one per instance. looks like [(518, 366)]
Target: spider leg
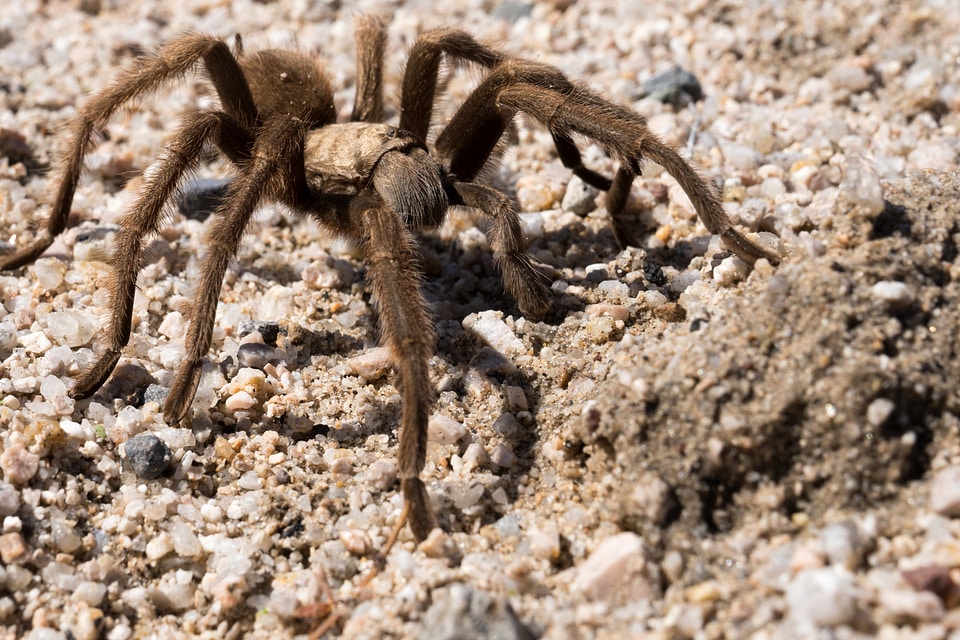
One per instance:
[(564, 108), (142, 77), (371, 39), (419, 88), (392, 268), (570, 157), (277, 151), (423, 66), (144, 221), (520, 278)]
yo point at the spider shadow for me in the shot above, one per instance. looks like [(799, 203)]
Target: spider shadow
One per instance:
[(596, 246), (520, 435)]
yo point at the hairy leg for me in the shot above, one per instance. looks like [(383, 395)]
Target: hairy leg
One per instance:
[(371, 39), (423, 66), (277, 149), (565, 109), (389, 252), (140, 78), (570, 157), (143, 221), (420, 82), (520, 278)]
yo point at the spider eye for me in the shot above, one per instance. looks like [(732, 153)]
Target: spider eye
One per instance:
[(391, 133)]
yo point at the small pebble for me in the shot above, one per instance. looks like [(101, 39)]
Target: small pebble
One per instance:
[(70, 328), (896, 295), (823, 597), (677, 87), (741, 158), (879, 411), (614, 291), (19, 465), (475, 456), (229, 589), (147, 455), (372, 364), (535, 197), (490, 327), (465, 495), (579, 197), (49, 273), (36, 342), (174, 326), (185, 541), (357, 542), (507, 425), (616, 569), (545, 541), (916, 606), (159, 546), (256, 355), (240, 401), (250, 481), (64, 535), (945, 492), (277, 304), (461, 612), (842, 544), (730, 271), (12, 547), (382, 473), (503, 456), (849, 78), (490, 361), (706, 591), (9, 499), (269, 331), (516, 398), (156, 393), (652, 497), (445, 430), (860, 187), (253, 381), (89, 592)]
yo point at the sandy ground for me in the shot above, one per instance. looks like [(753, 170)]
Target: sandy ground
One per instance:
[(683, 448)]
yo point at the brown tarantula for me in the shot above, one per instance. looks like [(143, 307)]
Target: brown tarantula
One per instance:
[(374, 183)]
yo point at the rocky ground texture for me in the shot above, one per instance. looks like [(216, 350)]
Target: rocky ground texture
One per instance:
[(684, 448)]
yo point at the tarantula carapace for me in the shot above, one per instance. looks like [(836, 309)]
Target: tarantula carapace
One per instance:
[(374, 183)]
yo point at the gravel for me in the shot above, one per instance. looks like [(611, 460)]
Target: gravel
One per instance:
[(684, 447), (147, 455)]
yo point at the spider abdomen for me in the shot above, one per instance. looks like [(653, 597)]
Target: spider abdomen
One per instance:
[(291, 83)]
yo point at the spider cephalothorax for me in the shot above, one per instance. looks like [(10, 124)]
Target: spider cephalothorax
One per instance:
[(371, 182)]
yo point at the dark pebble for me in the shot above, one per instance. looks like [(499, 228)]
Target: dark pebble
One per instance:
[(677, 87), (201, 197), (147, 455), (129, 382), (654, 274), (269, 331), (155, 393), (511, 11), (257, 356)]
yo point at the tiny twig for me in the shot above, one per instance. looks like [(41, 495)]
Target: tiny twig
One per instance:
[(379, 562)]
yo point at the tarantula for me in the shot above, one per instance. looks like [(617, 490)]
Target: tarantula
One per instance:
[(374, 183)]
